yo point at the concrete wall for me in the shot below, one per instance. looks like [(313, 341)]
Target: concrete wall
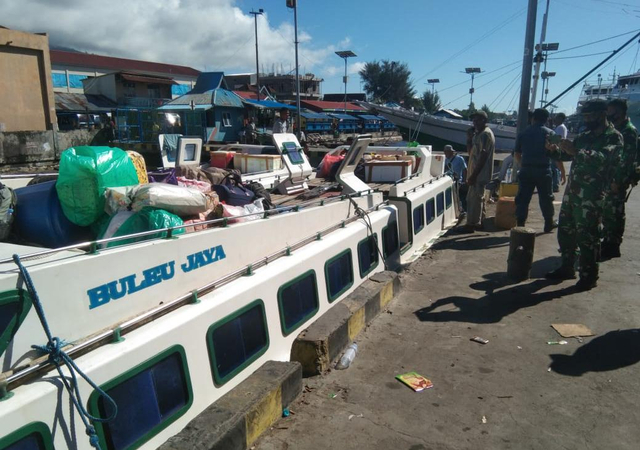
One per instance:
[(26, 91), (25, 147)]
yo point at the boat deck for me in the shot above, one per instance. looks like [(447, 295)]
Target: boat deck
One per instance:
[(318, 184)]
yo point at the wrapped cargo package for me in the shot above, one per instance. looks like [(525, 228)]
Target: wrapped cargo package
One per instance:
[(84, 174), (141, 167), (147, 219), (182, 201)]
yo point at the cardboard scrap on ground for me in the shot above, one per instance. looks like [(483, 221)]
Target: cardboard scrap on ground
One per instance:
[(572, 330)]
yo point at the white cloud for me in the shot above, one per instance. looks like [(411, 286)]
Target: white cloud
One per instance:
[(196, 33), (355, 68)]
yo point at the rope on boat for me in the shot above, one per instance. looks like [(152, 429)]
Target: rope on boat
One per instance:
[(57, 357)]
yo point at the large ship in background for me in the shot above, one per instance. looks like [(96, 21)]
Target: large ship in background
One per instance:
[(623, 86)]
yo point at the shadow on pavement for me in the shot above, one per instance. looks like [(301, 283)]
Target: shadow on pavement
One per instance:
[(616, 349), (471, 242), (494, 306)]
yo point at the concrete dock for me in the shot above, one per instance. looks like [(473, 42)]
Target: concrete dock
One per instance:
[(517, 391)]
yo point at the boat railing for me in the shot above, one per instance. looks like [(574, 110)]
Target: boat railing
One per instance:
[(94, 246), (92, 342)]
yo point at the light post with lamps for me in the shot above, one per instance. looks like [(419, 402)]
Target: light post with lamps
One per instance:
[(545, 86), (345, 54), (432, 82), (472, 71), (255, 18)]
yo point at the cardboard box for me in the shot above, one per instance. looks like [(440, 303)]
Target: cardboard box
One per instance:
[(506, 213), (256, 163), (386, 171), (508, 190)]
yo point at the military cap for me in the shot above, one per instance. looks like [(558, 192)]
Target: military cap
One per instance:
[(479, 113), (594, 106)]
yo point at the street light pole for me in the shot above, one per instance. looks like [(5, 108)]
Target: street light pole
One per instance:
[(255, 20), (345, 54), (294, 4), (472, 71), (432, 82)]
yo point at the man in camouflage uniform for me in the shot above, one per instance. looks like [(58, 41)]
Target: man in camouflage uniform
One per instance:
[(613, 215), (595, 155)]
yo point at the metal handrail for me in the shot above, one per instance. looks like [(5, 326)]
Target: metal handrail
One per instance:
[(92, 245), (92, 342)]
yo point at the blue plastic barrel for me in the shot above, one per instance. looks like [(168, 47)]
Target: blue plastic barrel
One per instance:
[(39, 218)]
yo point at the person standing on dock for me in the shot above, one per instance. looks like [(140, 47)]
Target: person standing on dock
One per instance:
[(535, 170), (480, 145), (281, 124), (613, 214), (558, 168), (456, 167), (594, 171)]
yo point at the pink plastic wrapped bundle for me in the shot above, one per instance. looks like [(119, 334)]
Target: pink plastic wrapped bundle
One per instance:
[(202, 186)]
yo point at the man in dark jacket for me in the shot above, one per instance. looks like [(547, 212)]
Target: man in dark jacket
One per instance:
[(535, 171)]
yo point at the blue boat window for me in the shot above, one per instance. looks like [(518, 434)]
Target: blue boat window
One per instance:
[(368, 255), (418, 219), (338, 272), (149, 397), (448, 199), (35, 436), (14, 306), (298, 301), (440, 203), (390, 239), (237, 340), (431, 210)]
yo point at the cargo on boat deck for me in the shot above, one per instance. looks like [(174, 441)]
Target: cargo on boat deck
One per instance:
[(256, 163), (386, 171), (40, 219), (221, 158)]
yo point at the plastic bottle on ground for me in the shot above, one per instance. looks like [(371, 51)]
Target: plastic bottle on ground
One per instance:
[(348, 357)]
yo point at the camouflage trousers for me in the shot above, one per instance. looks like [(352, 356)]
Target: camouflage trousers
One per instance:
[(613, 217), (578, 227)]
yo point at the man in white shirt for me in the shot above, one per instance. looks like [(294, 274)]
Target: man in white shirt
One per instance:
[(558, 170), (280, 125)]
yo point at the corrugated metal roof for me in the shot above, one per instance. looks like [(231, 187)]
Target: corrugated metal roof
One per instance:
[(330, 106), (107, 62), (312, 115), (222, 97), (83, 102), (208, 81), (170, 107), (368, 117), (268, 104), (146, 78), (344, 117)]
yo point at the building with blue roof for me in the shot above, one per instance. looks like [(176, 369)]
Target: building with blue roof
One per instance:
[(209, 110)]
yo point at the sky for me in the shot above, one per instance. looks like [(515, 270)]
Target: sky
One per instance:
[(435, 38)]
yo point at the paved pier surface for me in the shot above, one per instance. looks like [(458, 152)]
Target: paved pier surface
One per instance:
[(530, 394)]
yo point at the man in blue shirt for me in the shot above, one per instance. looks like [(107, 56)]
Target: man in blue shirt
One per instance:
[(456, 167), (535, 172)]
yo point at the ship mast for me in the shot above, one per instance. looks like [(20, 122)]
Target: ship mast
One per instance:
[(536, 77)]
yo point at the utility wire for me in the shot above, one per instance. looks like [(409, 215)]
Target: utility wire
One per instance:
[(515, 94), (473, 44), (593, 70), (481, 75), (596, 42), (504, 92), (581, 56)]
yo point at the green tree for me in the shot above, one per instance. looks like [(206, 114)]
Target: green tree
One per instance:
[(388, 81), (431, 101)]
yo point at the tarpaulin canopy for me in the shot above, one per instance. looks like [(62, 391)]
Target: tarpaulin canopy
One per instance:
[(368, 117), (268, 104), (317, 116)]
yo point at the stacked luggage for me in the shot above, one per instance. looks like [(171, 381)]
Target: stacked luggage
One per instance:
[(104, 192)]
